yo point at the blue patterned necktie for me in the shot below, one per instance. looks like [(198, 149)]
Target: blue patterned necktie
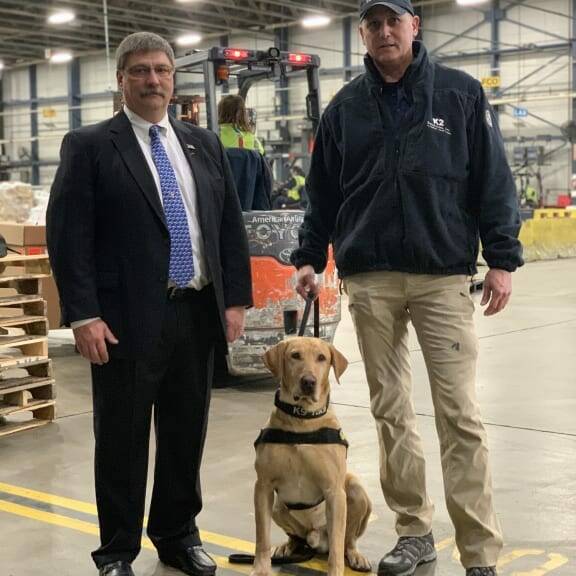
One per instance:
[(181, 260)]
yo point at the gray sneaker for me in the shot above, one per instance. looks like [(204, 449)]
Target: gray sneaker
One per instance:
[(407, 555), (486, 571)]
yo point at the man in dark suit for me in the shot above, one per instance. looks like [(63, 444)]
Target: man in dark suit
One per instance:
[(150, 255)]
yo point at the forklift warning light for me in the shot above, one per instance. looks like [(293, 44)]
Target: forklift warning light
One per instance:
[(234, 54), (299, 59)]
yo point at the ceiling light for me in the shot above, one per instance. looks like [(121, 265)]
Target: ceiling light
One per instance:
[(189, 39), (61, 17), (316, 21), (1, 65), (61, 57), (470, 2)]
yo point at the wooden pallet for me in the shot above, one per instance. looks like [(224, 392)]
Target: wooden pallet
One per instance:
[(32, 393), (26, 381), (37, 325), (21, 264), (31, 304)]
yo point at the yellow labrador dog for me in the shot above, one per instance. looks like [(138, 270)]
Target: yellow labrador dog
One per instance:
[(302, 482)]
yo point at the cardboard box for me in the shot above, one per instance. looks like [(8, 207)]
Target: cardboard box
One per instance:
[(30, 239), (23, 234)]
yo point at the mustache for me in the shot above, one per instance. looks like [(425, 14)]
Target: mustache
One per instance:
[(153, 93)]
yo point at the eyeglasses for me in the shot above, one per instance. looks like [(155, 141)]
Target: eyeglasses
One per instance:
[(145, 71)]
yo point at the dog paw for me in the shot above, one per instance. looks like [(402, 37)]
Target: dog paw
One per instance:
[(357, 561), (284, 550)]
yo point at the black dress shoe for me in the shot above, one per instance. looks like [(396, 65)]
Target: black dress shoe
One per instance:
[(116, 569), (192, 560)]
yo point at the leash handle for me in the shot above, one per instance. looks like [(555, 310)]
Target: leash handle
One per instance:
[(306, 315)]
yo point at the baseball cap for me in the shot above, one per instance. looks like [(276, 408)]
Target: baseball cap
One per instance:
[(398, 6)]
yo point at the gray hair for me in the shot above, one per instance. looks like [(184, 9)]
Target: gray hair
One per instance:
[(142, 42)]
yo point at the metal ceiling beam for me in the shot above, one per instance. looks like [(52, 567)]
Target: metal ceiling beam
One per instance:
[(561, 47), (530, 74), (535, 29), (178, 12), (495, 16), (456, 37)]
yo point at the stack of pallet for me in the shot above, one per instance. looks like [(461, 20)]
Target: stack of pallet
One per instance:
[(26, 385)]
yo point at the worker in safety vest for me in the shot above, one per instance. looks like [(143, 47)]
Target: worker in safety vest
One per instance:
[(235, 130), (291, 194)]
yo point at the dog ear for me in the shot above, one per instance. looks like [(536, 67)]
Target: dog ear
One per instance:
[(274, 359), (339, 362)]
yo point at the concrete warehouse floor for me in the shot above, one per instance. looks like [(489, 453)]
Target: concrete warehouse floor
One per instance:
[(527, 389)]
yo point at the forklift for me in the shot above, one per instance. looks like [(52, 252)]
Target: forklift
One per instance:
[(272, 235)]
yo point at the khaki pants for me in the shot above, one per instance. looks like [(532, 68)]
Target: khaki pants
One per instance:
[(441, 310)]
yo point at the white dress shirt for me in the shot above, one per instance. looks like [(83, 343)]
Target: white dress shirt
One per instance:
[(186, 183)]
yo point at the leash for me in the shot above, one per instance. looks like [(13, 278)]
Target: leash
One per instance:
[(309, 301), (302, 553)]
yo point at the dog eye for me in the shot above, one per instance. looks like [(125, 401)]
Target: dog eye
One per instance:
[(321, 358), (296, 355)]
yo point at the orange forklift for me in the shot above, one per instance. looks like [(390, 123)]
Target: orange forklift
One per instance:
[(273, 234)]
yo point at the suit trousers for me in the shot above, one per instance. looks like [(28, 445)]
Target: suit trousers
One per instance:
[(441, 311), (174, 384)]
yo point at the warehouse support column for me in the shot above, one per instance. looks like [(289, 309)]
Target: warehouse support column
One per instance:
[(418, 11), (573, 56), (495, 15), (225, 43), (347, 48), (34, 147), (74, 98), (281, 42), (2, 146)]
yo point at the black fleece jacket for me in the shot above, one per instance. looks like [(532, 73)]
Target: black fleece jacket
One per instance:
[(417, 199)]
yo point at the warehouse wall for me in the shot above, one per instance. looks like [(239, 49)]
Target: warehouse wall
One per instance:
[(440, 24), (550, 72)]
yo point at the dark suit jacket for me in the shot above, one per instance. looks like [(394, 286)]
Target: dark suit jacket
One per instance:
[(107, 237)]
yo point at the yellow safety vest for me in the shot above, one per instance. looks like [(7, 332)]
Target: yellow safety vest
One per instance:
[(233, 137), (295, 192)]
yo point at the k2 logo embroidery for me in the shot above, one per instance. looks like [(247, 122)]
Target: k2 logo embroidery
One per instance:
[(439, 124)]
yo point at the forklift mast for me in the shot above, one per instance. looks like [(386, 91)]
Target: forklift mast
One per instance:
[(218, 64)]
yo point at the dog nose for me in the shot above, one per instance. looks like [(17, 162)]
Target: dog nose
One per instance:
[(307, 384)]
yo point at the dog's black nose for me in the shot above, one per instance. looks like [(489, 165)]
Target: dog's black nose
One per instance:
[(307, 384)]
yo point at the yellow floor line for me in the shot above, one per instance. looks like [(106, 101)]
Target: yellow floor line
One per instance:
[(93, 530), (443, 544), (86, 508), (49, 518), (236, 544), (515, 554), (46, 498), (554, 561)]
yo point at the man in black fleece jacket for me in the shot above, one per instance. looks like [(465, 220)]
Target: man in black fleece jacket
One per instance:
[(408, 175)]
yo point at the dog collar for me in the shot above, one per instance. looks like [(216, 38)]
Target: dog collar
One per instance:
[(298, 411)]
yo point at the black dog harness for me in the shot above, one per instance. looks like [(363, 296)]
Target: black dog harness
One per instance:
[(320, 436)]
